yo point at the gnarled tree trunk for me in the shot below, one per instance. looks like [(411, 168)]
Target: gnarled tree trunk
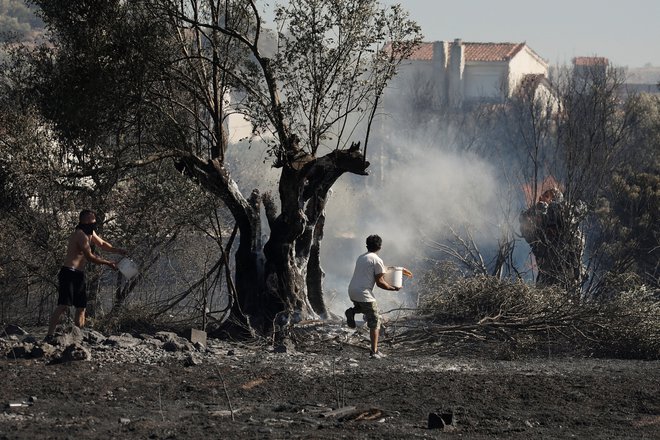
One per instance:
[(293, 291)]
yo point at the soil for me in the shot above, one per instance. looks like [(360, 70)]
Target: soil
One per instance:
[(328, 388)]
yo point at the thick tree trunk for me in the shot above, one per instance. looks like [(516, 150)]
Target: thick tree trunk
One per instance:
[(315, 273), (293, 271), (279, 295), (211, 174)]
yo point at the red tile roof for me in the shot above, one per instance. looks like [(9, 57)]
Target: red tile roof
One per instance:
[(473, 51), (423, 52), (590, 61)]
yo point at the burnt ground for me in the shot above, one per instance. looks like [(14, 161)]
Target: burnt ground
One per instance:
[(327, 388)]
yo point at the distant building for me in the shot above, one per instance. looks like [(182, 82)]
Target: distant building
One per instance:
[(459, 73), (590, 67), (644, 80)]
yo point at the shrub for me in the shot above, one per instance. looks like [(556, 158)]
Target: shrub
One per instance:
[(623, 325)]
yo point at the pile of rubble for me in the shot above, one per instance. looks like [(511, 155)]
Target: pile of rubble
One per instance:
[(75, 344)]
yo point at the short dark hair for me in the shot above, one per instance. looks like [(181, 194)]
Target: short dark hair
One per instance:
[(85, 213), (374, 242)]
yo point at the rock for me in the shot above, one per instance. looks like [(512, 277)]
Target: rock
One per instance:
[(197, 337), (440, 421), (178, 344), (13, 329), (191, 360), (19, 351), (43, 350), (285, 345), (73, 336), (93, 337), (73, 352), (122, 341), (165, 336), (29, 339)]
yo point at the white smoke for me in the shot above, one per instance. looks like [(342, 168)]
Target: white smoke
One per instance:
[(424, 189), (422, 193)]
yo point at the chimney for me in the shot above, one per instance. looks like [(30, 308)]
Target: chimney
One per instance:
[(456, 68), (440, 73), (440, 54)]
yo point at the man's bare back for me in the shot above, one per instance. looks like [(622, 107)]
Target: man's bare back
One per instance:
[(75, 250), (79, 251)]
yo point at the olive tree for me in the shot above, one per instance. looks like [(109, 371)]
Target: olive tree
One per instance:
[(196, 62)]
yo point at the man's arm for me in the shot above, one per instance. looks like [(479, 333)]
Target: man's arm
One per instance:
[(83, 243), (380, 282), (107, 246)]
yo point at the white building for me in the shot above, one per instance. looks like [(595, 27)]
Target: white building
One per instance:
[(458, 73)]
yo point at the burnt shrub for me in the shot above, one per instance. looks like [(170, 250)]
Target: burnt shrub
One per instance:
[(623, 324)]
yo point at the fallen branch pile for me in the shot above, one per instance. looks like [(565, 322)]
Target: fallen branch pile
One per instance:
[(530, 319)]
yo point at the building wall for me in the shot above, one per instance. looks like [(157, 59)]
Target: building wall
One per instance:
[(522, 64), (449, 79), (484, 80)]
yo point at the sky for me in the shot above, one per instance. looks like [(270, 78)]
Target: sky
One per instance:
[(628, 33)]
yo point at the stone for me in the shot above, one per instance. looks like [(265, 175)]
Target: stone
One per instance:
[(19, 351), (191, 360), (93, 337), (13, 329), (178, 344), (122, 341), (73, 352), (197, 336), (440, 421), (73, 336), (29, 339), (165, 336)]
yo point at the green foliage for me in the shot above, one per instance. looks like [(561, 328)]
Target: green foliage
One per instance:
[(333, 62), (93, 80), (18, 21), (629, 216), (132, 94)]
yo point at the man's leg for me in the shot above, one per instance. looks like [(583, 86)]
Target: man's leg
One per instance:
[(372, 316), (55, 318), (350, 317), (80, 317), (373, 334)]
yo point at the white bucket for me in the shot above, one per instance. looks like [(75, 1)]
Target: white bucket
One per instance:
[(394, 276), (127, 267)]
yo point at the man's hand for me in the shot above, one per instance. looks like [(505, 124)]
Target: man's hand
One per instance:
[(112, 265)]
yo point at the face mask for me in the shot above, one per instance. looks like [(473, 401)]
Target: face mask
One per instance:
[(88, 228)]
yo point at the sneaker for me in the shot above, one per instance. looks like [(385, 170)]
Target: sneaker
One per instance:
[(350, 317), (377, 355)]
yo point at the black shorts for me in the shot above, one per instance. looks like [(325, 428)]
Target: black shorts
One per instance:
[(72, 288)]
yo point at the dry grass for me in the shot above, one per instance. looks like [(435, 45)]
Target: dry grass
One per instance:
[(625, 325)]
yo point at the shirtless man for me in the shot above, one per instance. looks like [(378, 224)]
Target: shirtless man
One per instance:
[(71, 276)]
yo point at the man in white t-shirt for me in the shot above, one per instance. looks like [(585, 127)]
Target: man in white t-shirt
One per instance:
[(369, 271)]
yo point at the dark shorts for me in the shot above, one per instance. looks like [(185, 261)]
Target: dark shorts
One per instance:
[(72, 288), (370, 312)]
